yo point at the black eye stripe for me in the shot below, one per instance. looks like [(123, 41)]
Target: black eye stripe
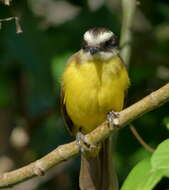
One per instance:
[(112, 42), (108, 43), (104, 46)]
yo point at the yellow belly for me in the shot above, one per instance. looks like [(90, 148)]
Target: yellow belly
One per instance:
[(92, 89)]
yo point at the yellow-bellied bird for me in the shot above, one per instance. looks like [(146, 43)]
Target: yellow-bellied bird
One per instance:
[(94, 83)]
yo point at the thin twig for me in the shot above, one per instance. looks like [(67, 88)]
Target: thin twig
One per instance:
[(140, 140), (17, 23), (7, 19), (64, 152), (18, 26)]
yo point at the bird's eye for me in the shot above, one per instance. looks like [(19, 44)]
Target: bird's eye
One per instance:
[(113, 42), (108, 43)]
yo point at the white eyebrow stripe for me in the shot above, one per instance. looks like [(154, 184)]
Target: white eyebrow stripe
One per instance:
[(95, 40)]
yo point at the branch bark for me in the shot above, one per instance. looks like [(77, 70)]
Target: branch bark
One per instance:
[(64, 152), (34, 183)]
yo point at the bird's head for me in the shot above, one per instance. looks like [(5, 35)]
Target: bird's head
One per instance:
[(100, 43)]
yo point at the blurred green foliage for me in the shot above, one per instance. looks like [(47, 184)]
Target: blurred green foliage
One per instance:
[(30, 71)]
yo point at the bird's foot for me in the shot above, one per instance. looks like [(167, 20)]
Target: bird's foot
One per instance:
[(85, 147), (113, 119)]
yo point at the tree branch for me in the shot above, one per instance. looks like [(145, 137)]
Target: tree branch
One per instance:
[(64, 152), (34, 183)]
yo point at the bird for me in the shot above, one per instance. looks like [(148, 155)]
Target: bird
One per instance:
[(93, 87)]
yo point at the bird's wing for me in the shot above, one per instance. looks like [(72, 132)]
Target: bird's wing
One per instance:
[(68, 121)]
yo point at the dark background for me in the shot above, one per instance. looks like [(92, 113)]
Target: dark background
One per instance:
[(31, 64)]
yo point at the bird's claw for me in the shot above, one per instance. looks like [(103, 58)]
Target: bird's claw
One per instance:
[(86, 148), (82, 143), (113, 119)]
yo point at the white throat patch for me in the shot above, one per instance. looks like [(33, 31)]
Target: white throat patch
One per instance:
[(94, 40)]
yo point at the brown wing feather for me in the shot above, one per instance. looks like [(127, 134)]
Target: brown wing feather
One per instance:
[(68, 121), (126, 91)]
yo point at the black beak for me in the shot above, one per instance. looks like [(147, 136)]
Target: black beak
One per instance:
[(94, 50)]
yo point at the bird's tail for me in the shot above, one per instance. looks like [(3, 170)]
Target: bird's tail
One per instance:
[(98, 173)]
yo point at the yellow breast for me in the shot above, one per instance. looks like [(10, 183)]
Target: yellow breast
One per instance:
[(92, 89)]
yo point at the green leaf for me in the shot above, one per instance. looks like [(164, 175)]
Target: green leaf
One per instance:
[(166, 122), (160, 158), (142, 177)]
